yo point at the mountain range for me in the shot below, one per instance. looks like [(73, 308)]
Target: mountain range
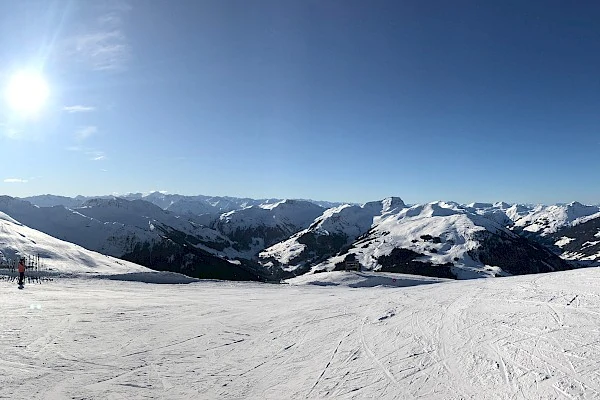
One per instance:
[(273, 239)]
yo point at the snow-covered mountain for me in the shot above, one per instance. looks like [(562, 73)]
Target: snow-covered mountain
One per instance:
[(57, 256), (536, 220), (254, 228), (500, 212), (191, 204), (437, 239), (72, 226), (329, 233), (111, 226), (568, 229), (194, 207), (546, 220)]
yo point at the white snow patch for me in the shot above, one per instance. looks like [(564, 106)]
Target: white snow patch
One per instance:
[(589, 244), (563, 241)]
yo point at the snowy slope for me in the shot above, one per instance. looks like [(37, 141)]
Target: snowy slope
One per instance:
[(540, 220), (56, 255), (335, 228), (546, 220), (444, 239), (518, 211), (72, 226), (527, 337)]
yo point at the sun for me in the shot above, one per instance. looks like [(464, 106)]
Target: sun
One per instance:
[(27, 92)]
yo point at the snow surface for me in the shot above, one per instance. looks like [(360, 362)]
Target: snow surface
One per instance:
[(525, 337)]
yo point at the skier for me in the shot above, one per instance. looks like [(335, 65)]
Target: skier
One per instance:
[(21, 271)]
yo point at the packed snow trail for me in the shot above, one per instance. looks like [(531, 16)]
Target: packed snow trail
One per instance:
[(524, 337)]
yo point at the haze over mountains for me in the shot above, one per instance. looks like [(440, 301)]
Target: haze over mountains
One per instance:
[(273, 239)]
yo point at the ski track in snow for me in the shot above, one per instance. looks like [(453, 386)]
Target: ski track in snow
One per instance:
[(527, 337)]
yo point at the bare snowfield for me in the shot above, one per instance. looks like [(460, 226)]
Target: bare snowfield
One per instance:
[(526, 337)]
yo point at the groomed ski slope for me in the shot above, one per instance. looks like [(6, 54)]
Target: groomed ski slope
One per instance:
[(526, 337)]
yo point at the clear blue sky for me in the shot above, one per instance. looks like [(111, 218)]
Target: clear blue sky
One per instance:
[(332, 100)]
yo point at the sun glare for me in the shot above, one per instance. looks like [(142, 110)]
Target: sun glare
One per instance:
[(27, 92)]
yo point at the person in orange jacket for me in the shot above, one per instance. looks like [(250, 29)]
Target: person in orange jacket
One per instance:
[(21, 271)]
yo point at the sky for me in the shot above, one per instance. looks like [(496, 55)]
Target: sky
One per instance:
[(337, 100)]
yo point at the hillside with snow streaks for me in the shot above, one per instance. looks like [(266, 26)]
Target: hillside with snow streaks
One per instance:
[(581, 242), (254, 228), (57, 256), (334, 229)]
